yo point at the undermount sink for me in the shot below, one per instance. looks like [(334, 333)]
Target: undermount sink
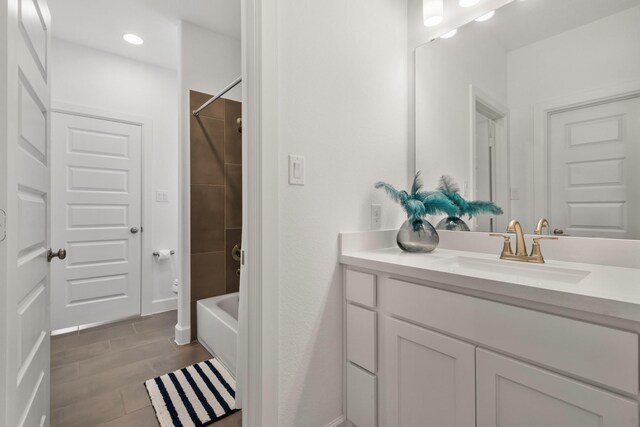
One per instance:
[(513, 270)]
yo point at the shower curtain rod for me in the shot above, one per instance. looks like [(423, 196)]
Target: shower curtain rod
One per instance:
[(218, 96)]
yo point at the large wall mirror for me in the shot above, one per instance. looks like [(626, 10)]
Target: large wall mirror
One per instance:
[(538, 110)]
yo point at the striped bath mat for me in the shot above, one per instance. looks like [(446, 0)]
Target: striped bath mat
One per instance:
[(197, 395)]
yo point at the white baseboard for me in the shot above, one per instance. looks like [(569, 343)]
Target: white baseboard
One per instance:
[(183, 335), (338, 422), (162, 305)]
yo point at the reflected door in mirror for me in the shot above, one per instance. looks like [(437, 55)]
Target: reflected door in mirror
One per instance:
[(594, 186)]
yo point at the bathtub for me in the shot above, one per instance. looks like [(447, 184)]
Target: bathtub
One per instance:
[(218, 328)]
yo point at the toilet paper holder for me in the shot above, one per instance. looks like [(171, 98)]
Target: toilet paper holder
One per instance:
[(158, 253)]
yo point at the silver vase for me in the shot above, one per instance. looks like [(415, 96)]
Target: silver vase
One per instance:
[(423, 238), (452, 223)]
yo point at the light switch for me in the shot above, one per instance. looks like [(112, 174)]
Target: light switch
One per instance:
[(296, 170), (162, 196)]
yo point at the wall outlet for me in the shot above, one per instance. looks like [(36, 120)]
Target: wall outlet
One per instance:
[(376, 217), (296, 170), (465, 188), (515, 193), (162, 196)]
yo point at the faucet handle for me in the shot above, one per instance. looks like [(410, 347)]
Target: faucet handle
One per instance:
[(506, 248), (536, 252), (535, 239)]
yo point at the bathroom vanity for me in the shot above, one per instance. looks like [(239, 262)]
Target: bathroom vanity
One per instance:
[(461, 338), (537, 111)]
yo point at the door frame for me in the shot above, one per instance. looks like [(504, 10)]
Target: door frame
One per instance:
[(497, 111), (259, 360), (146, 125), (542, 113), (260, 107)]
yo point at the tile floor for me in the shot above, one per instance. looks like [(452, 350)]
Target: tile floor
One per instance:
[(97, 375)]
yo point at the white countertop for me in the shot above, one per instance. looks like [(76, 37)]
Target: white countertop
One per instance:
[(604, 290)]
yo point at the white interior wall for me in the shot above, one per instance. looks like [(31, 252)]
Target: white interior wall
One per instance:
[(418, 34), (601, 54), (443, 112), (208, 63), (91, 78), (342, 96)]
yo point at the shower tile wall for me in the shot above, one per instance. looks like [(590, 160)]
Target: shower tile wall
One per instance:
[(216, 199)]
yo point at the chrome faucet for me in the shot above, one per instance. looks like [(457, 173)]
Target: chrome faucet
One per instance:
[(521, 245)]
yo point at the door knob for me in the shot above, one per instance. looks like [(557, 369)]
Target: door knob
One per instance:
[(134, 230), (558, 232), (61, 254)]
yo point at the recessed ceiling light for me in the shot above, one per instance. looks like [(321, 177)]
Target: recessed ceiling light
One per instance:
[(432, 21), (486, 16), (468, 3), (133, 39), (432, 12), (449, 34)]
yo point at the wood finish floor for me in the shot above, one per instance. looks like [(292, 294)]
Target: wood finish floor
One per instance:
[(98, 374)]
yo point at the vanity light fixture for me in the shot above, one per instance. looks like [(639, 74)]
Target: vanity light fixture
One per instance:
[(133, 39), (468, 3), (449, 34), (432, 12), (486, 16)]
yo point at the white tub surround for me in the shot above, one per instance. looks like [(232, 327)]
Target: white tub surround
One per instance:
[(430, 336), (218, 328)]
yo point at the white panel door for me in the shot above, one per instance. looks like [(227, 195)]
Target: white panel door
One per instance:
[(594, 164), (514, 394), (430, 378), (24, 195), (96, 213)]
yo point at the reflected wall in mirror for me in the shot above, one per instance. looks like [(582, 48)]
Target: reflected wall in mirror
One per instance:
[(538, 110)]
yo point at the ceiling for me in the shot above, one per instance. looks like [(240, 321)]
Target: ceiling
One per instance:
[(521, 23), (100, 24)]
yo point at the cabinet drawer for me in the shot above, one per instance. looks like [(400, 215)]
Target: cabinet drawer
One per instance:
[(361, 337), (362, 397), (596, 353), (361, 288), (509, 391)]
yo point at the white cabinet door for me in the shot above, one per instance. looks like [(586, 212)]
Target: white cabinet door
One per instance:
[(96, 215), (514, 394), (429, 378)]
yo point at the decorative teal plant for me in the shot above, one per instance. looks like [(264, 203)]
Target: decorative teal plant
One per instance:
[(465, 208), (418, 203)]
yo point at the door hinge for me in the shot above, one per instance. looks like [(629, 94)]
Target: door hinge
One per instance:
[(3, 225), (242, 258)]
